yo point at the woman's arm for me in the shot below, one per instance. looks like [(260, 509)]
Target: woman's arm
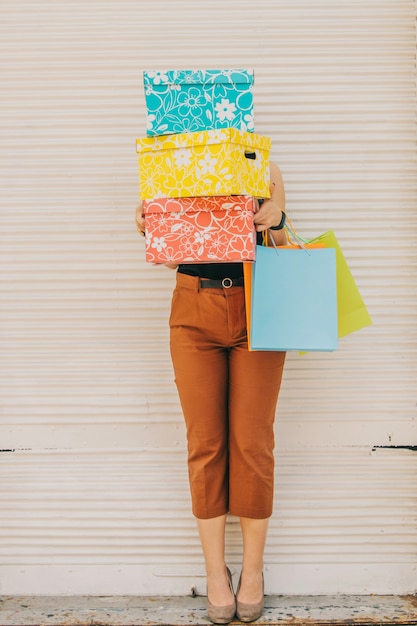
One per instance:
[(270, 212)]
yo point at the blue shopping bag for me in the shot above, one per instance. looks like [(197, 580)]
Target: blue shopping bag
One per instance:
[(293, 299)]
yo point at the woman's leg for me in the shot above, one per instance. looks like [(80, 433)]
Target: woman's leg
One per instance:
[(254, 383), (212, 536), (254, 533), (199, 326)]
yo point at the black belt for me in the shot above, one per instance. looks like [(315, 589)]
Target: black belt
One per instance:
[(221, 283)]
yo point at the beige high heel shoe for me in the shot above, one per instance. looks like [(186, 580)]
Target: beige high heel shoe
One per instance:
[(249, 612), (222, 614)]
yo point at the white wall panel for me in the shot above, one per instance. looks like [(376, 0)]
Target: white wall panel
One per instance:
[(93, 486)]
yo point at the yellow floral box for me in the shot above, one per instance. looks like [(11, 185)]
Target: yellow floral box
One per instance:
[(221, 162)]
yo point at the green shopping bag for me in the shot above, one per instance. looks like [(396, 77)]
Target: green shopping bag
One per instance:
[(352, 314)]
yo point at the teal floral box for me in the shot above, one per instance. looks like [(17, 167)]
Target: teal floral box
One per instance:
[(188, 101)]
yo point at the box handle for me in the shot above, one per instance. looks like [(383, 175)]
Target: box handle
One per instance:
[(250, 155)]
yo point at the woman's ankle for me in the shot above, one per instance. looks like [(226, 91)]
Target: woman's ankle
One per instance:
[(251, 585), (219, 589)]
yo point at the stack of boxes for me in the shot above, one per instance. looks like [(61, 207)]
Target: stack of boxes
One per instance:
[(201, 166)]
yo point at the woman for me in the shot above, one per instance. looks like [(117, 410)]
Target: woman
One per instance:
[(228, 396)]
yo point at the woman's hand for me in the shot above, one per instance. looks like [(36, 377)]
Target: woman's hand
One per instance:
[(270, 212), (140, 220)]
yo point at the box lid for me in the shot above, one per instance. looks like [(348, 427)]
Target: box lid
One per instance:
[(186, 140), (199, 203), (198, 77)]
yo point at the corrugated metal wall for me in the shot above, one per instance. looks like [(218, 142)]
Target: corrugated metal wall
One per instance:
[(93, 483)]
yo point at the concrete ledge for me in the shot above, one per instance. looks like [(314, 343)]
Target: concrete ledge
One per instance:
[(178, 611)]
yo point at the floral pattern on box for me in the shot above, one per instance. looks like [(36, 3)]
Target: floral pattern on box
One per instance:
[(210, 163), (200, 230), (180, 101)]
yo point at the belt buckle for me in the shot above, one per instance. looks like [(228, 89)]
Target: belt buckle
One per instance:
[(227, 283)]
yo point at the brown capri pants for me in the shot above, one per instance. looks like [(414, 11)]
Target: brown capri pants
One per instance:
[(228, 396)]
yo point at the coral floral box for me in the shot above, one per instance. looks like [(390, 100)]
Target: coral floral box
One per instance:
[(186, 101), (200, 230), (210, 163)]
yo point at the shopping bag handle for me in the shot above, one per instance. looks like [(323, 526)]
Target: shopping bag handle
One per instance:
[(298, 243)]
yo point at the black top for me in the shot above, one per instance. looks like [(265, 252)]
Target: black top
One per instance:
[(215, 271)]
